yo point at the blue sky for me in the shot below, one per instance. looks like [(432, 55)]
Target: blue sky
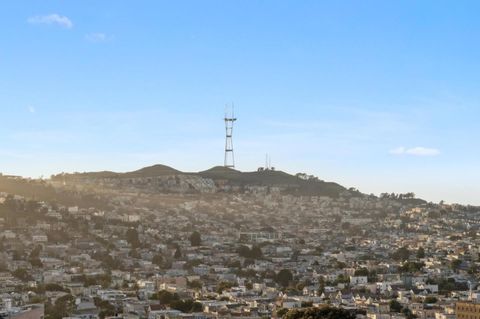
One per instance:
[(378, 95)]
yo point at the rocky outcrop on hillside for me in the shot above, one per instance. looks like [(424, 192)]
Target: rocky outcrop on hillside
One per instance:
[(157, 184)]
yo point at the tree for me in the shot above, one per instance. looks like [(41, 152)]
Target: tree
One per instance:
[(340, 265), (22, 274), (178, 253), (248, 261), (195, 239), (58, 236), (63, 307), (342, 279), (321, 285), (473, 269), (166, 298), (430, 299), (411, 266), (132, 237), (196, 307), (243, 251), (158, 260), (192, 263), (420, 253), (254, 253), (281, 312), (372, 276), (395, 306), (32, 206), (223, 285), (106, 308), (186, 306), (284, 277), (134, 253), (35, 253), (401, 254), (408, 313), (234, 264), (434, 214), (36, 262), (104, 280), (17, 255), (195, 284), (455, 264), (361, 272), (55, 287), (346, 225), (320, 313)]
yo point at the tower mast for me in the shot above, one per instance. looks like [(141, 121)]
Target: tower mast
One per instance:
[(229, 160)]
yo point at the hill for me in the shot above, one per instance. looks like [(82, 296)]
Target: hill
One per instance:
[(150, 171), (222, 176), (155, 170), (273, 178)]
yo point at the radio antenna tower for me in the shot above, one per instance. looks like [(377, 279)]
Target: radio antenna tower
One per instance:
[(229, 120)]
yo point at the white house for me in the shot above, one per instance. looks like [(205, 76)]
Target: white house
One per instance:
[(358, 280)]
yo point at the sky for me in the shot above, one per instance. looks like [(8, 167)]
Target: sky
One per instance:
[(378, 95)]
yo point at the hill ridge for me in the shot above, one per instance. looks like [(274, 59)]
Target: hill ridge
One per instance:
[(223, 175)]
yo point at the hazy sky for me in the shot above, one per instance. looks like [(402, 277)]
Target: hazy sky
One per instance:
[(379, 95)]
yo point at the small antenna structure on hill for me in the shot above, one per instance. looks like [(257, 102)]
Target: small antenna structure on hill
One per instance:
[(268, 164), (230, 118)]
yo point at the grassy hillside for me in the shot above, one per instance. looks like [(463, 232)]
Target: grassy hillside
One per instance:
[(230, 176), (156, 170), (274, 178)]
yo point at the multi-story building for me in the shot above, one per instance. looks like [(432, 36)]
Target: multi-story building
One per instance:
[(467, 310)]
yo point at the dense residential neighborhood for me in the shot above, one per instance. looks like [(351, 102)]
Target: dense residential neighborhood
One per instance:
[(323, 159), (258, 252)]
